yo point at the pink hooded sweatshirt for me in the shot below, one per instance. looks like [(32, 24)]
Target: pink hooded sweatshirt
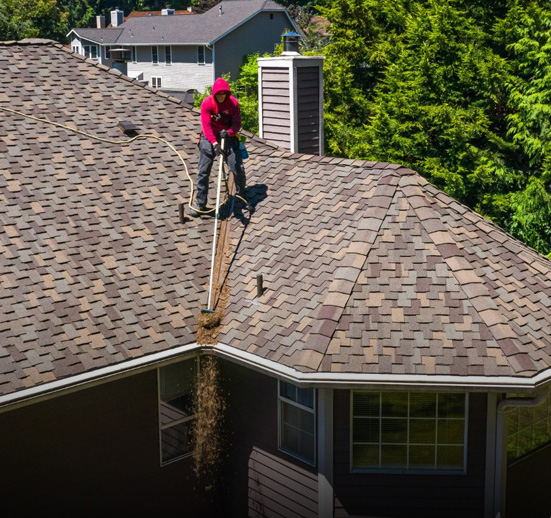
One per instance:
[(215, 117)]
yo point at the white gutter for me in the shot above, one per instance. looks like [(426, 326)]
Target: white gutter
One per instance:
[(88, 379), (501, 449), (309, 379), (344, 380)]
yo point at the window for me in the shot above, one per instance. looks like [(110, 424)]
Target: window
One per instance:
[(297, 421), (401, 431), (155, 55), (200, 55), (168, 55), (134, 55), (176, 412), (76, 49), (156, 82), (528, 428), (91, 51)]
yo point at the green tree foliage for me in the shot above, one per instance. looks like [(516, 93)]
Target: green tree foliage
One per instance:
[(458, 90), (32, 19)]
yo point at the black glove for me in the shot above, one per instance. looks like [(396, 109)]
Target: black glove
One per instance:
[(224, 134), (217, 149)]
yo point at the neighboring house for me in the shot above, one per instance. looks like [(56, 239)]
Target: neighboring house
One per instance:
[(393, 359), (183, 52)]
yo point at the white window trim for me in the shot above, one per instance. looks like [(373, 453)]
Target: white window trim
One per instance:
[(156, 82), (203, 62), (173, 423), (87, 51), (153, 53), (313, 411), (168, 54), (402, 471)]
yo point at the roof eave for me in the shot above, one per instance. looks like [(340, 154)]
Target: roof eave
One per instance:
[(346, 380), (96, 377)]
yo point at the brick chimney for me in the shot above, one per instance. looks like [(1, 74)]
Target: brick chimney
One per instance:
[(290, 94)]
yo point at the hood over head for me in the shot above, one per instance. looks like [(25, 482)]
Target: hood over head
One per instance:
[(220, 85)]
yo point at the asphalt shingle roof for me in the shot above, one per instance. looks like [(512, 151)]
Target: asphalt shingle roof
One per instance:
[(367, 267), (370, 269), (203, 28), (95, 266)]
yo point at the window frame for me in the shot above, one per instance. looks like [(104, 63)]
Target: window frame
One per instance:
[(201, 55), (156, 82), (519, 436), (177, 422), (87, 52), (407, 470), (154, 54), (134, 54), (168, 55), (281, 400)]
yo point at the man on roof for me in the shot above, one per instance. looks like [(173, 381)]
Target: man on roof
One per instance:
[(220, 120)]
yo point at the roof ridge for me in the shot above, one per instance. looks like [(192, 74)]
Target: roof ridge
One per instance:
[(468, 280), (346, 275)]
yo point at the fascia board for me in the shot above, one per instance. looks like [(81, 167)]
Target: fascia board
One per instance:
[(346, 380), (96, 377)]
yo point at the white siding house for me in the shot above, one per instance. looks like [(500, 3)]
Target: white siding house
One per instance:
[(183, 52)]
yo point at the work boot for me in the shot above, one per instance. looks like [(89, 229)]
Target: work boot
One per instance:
[(196, 212)]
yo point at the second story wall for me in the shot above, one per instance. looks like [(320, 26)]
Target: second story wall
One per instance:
[(260, 34), (183, 72)]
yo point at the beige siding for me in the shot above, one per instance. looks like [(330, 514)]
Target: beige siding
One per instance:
[(276, 110)]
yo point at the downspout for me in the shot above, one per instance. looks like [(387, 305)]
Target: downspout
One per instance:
[(207, 46), (501, 448)]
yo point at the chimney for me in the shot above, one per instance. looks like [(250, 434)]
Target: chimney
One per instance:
[(167, 12), (290, 99), (100, 22), (117, 17)]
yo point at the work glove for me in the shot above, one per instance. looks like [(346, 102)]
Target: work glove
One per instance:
[(224, 134), (217, 149)]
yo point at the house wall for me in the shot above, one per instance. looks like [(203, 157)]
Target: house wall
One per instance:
[(93, 452), (260, 34), (528, 486), (260, 480), (182, 74), (409, 496)]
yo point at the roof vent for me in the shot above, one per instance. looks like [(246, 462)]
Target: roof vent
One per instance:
[(290, 44), (127, 127)]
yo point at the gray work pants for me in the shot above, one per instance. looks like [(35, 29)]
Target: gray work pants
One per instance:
[(206, 159)]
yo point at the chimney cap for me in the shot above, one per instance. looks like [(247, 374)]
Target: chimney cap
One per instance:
[(290, 43)]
